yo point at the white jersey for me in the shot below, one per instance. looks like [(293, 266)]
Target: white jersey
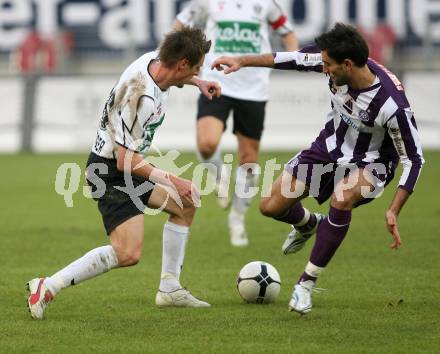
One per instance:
[(237, 27), (133, 111)]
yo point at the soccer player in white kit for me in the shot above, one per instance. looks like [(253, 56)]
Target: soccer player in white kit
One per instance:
[(369, 129), (123, 184), (236, 27)]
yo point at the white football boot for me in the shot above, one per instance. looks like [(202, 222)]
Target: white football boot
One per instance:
[(237, 230), (39, 297), (301, 301), (296, 240), (179, 298)]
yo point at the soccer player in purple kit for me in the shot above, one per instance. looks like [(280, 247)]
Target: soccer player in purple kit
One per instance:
[(369, 128)]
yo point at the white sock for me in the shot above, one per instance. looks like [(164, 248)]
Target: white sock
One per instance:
[(93, 263), (305, 219), (313, 270), (175, 238), (243, 181), (235, 218), (214, 163)]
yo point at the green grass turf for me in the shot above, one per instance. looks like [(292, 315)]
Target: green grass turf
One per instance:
[(115, 313)]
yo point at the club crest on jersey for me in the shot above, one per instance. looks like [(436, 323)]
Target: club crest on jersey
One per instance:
[(257, 9), (364, 116)]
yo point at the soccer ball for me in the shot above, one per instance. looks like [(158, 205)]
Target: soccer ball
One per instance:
[(258, 282)]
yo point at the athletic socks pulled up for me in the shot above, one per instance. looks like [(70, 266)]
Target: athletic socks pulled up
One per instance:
[(299, 217), (93, 263), (330, 234), (175, 238)]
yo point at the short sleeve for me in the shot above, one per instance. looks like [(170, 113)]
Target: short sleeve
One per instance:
[(194, 13), (278, 19)]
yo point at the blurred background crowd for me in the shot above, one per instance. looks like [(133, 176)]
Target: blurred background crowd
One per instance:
[(59, 59)]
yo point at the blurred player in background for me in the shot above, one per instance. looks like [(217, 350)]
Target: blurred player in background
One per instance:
[(235, 27), (133, 112), (369, 128)]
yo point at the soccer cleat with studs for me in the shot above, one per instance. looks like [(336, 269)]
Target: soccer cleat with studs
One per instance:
[(179, 298), (39, 297), (296, 240), (301, 300)]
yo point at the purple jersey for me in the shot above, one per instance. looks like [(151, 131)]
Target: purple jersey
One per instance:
[(375, 124)]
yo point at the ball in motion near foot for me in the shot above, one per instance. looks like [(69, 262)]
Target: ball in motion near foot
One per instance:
[(258, 282)]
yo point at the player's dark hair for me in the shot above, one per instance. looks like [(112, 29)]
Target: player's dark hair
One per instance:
[(344, 42), (186, 43)]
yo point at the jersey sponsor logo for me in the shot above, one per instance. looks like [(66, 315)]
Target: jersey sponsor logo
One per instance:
[(350, 122), (398, 141), (238, 37), (315, 59)]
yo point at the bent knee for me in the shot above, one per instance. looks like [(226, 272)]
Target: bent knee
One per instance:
[(345, 202), (207, 148), (189, 211), (184, 216), (248, 155), (266, 209), (128, 258)]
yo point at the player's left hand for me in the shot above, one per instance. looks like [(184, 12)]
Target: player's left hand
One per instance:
[(227, 64), (391, 221), (210, 89)]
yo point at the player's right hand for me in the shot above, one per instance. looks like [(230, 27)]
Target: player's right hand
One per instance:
[(227, 64), (187, 191), (391, 222)]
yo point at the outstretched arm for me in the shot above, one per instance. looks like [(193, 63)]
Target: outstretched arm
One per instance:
[(307, 59), (231, 64)]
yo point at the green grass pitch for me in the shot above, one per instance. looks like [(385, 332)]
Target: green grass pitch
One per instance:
[(378, 300)]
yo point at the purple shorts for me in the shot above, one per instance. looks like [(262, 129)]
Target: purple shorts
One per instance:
[(320, 173)]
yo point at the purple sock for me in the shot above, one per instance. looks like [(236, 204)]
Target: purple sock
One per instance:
[(294, 215), (330, 234), (305, 277)]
